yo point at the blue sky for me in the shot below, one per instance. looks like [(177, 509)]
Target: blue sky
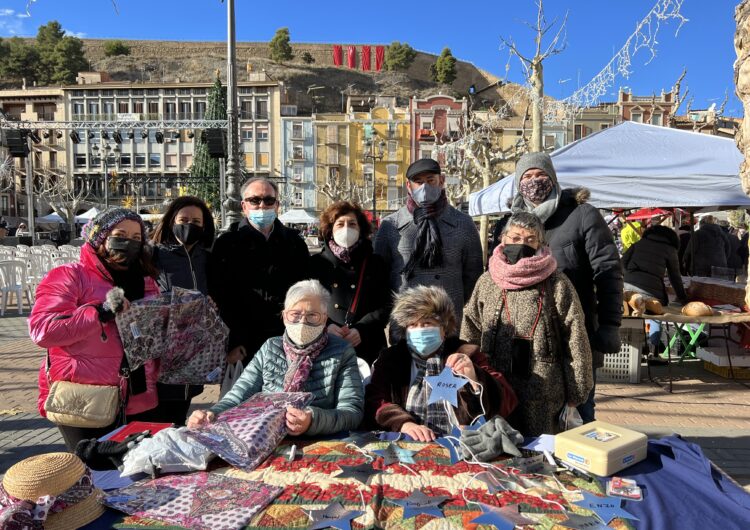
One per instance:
[(596, 29)]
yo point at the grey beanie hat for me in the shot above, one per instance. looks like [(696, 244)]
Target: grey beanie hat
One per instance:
[(535, 160)]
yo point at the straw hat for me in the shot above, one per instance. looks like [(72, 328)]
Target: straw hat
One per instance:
[(53, 474)]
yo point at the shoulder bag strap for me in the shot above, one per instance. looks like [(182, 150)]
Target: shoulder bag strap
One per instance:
[(348, 320)]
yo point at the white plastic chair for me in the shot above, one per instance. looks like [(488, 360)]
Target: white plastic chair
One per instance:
[(35, 270), (62, 260), (12, 280)]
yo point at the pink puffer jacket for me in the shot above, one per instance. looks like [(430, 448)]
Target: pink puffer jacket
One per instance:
[(82, 349)]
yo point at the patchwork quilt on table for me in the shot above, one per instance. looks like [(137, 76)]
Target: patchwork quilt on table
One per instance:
[(199, 501), (310, 483)]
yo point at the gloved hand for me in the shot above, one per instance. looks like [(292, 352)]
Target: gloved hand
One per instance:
[(106, 455), (606, 339), (491, 440)]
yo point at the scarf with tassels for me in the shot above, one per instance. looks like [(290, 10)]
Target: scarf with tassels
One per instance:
[(342, 253), (525, 273), (428, 247), (300, 360)]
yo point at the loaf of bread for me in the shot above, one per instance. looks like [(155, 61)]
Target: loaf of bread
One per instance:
[(697, 309), (654, 307)]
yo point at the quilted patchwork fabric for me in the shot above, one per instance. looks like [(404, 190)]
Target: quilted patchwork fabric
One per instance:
[(200, 501)]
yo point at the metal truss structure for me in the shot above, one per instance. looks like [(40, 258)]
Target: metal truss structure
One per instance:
[(113, 124)]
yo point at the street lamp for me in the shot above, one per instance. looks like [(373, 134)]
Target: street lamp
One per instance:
[(374, 150), (103, 155)]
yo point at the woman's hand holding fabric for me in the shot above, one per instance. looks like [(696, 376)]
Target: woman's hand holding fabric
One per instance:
[(298, 421), (200, 418), (420, 433)]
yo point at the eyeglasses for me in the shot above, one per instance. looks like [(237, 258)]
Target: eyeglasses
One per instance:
[(255, 201), (294, 316), (520, 240)]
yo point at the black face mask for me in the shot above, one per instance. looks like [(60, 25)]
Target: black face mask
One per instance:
[(124, 248), (187, 234), (514, 253)]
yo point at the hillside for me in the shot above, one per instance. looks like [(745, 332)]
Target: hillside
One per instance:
[(156, 61)]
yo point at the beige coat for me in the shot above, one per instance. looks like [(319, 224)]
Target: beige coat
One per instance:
[(560, 368)]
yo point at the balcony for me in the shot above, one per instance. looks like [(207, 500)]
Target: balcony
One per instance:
[(425, 134), (298, 156), (45, 116)]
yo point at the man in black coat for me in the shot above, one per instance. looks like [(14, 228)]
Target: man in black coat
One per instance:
[(583, 247), (253, 266), (708, 247)]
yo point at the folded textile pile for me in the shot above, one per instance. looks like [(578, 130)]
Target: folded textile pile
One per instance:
[(200, 501), (245, 435)]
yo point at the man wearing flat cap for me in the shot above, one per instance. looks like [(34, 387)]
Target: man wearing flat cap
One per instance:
[(429, 242), (584, 249)]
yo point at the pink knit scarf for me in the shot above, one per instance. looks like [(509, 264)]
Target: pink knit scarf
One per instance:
[(525, 273)]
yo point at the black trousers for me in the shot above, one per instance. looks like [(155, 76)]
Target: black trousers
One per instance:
[(73, 435)]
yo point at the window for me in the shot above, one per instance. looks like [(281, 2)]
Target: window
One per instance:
[(656, 119), (247, 133), (392, 172), (549, 141), (394, 201), (391, 129), (199, 91), (426, 124), (184, 91), (579, 131), (170, 110), (125, 160), (185, 109), (392, 149), (169, 92), (108, 108), (636, 117), (77, 93), (249, 160), (138, 107), (170, 160), (186, 160), (262, 133), (333, 155), (140, 160), (200, 109), (123, 107), (603, 126), (78, 109), (263, 159), (122, 92), (367, 172), (297, 132), (80, 160), (245, 90), (297, 201), (153, 109), (137, 92), (152, 91), (261, 109), (298, 172), (4, 205), (298, 152), (93, 107), (425, 153), (332, 134), (246, 110)]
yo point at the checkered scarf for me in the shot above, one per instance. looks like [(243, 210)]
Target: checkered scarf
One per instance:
[(433, 416)]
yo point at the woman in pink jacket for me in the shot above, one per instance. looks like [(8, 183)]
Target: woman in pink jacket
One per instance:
[(74, 321)]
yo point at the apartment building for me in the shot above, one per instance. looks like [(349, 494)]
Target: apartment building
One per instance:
[(332, 154), (298, 188)]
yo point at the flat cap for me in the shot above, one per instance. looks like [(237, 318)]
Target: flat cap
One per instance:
[(423, 165)]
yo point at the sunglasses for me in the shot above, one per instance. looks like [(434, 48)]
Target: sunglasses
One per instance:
[(255, 201)]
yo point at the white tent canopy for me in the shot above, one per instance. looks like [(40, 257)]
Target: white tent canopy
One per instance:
[(50, 218), (297, 217), (634, 165), (88, 215)]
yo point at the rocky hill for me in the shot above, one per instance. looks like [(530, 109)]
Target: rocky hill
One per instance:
[(170, 61)]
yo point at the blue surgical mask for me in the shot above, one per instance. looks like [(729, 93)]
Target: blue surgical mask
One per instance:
[(424, 341), (426, 194), (262, 218)]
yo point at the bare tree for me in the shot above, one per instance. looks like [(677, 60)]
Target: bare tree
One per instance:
[(678, 98), (60, 192), (7, 174), (534, 68), (339, 188)]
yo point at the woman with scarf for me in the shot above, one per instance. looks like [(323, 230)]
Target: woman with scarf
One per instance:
[(305, 359), (397, 397), (357, 279), (181, 253), (73, 317), (527, 318)]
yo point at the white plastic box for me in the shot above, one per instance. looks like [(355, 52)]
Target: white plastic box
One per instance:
[(625, 365)]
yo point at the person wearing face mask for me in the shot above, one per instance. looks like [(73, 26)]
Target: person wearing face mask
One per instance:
[(583, 247), (397, 397), (252, 266), (73, 316), (304, 359), (181, 252), (357, 279), (526, 316), (428, 241)]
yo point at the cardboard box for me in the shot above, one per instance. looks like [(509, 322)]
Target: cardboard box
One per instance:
[(601, 448)]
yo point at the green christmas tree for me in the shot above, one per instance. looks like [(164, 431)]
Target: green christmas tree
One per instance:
[(205, 170)]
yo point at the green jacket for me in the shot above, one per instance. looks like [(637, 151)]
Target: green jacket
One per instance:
[(338, 394)]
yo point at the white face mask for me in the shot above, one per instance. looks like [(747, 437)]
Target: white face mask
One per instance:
[(346, 236), (301, 333)]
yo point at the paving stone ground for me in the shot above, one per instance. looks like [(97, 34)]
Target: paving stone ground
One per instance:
[(703, 407)]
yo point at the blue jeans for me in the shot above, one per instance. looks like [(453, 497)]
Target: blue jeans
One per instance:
[(586, 409), (654, 332)]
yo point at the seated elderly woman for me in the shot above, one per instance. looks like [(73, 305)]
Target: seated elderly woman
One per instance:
[(527, 318), (305, 359), (398, 394)]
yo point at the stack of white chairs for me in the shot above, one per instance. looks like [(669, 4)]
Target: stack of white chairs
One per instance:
[(13, 281)]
